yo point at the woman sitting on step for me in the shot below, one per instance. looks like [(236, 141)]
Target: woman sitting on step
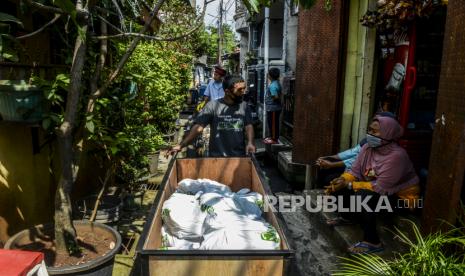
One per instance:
[(382, 168)]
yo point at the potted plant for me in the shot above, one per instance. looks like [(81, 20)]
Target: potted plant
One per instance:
[(98, 245), (20, 101), (250, 58)]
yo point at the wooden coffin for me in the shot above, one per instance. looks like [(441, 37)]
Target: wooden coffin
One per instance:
[(237, 173)]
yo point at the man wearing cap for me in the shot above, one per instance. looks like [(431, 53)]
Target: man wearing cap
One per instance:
[(214, 89)]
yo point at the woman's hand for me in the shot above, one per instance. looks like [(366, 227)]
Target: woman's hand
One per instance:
[(336, 185), (325, 164)]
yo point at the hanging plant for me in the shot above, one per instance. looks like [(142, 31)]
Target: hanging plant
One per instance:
[(306, 4), (328, 6), (393, 15)]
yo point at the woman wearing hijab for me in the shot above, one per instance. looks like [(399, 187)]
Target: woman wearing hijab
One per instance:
[(381, 168)]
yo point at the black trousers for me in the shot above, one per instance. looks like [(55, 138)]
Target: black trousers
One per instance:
[(366, 219), (272, 118)]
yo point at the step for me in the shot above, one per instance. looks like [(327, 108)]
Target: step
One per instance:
[(274, 149), (259, 147), (292, 172), (347, 235), (182, 122)]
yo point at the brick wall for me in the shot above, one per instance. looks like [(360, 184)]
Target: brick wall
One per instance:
[(318, 81), (447, 162)]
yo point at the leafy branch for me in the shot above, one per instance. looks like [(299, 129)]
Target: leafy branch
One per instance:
[(199, 23)]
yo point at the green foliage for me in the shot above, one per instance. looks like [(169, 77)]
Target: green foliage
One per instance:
[(143, 105), (430, 256), (162, 75), (202, 43), (328, 5), (252, 5), (364, 265), (206, 41), (165, 213), (130, 119), (177, 17), (144, 101), (67, 6), (54, 92), (270, 235), (436, 254), (121, 133), (260, 204), (126, 123), (207, 208), (7, 42), (4, 17), (7, 51), (307, 4)]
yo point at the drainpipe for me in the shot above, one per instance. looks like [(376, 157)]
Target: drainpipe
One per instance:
[(250, 37), (266, 62), (285, 19)]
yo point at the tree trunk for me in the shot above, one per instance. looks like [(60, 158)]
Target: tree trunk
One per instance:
[(65, 234), (101, 60)]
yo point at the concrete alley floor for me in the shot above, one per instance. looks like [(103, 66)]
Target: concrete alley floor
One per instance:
[(315, 252)]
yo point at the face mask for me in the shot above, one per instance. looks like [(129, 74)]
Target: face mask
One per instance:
[(373, 141), (238, 99)]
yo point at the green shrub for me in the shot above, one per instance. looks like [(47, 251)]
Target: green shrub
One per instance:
[(142, 105), (436, 254), (162, 76)]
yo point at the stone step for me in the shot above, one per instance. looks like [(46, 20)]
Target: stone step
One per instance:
[(347, 235), (190, 109), (259, 147), (292, 172), (274, 150)]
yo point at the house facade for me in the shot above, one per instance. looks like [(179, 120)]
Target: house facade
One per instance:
[(268, 39), (345, 71)]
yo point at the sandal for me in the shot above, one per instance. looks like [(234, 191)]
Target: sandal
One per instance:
[(338, 221), (368, 248), (269, 141)]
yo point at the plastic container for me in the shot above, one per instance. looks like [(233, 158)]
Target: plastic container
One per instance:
[(20, 102)]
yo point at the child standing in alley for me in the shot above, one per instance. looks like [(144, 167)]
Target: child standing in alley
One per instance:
[(273, 105)]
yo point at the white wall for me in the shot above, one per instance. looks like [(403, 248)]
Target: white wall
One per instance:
[(290, 27), (276, 40)]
